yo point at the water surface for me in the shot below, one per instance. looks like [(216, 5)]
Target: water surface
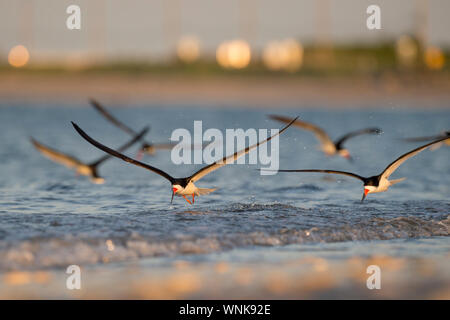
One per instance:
[(51, 218)]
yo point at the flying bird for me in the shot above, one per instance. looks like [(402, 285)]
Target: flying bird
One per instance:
[(328, 146), (147, 147), (378, 183), (86, 169), (181, 186), (443, 134)]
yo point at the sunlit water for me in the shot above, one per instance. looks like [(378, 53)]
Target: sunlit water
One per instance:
[(51, 218)]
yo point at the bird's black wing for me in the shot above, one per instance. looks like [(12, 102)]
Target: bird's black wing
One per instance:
[(97, 106), (349, 174), (229, 159), (422, 139), (122, 148), (120, 155), (339, 142), (320, 134)]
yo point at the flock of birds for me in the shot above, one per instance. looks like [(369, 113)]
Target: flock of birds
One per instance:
[(185, 186)]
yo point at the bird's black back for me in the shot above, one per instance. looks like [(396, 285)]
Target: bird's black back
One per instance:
[(372, 181)]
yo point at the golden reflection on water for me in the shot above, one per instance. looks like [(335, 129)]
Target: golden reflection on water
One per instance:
[(307, 277), (18, 278), (221, 267)]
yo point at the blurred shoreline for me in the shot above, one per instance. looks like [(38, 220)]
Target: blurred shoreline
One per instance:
[(320, 271), (388, 90)]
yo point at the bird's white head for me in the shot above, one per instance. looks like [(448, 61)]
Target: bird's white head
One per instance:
[(345, 154), (176, 188), (367, 190)]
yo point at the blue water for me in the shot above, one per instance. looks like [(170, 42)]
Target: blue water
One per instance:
[(50, 218)]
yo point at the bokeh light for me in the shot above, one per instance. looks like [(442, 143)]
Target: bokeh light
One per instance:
[(283, 55), (434, 58), (188, 49), (407, 51), (234, 54), (18, 56)]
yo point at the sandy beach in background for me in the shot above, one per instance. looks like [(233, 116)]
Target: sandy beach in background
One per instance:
[(320, 271), (427, 91)]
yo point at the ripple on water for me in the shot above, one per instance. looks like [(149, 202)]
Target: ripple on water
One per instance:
[(82, 248), (50, 218)]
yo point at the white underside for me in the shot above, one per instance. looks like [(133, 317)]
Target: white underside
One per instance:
[(84, 170), (329, 150), (87, 171), (383, 186), (191, 189)]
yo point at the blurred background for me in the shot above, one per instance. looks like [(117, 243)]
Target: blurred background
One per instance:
[(173, 50), (282, 236)]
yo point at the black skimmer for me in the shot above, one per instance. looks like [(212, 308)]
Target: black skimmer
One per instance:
[(328, 146), (181, 186), (147, 147), (443, 134), (378, 183), (86, 169)]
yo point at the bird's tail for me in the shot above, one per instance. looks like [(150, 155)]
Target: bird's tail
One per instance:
[(392, 182), (203, 191)]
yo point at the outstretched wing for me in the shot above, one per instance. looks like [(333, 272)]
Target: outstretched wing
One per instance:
[(123, 147), (97, 106), (352, 134), (320, 134), (170, 145), (164, 146), (349, 174), (226, 160), (422, 139), (120, 155), (397, 163), (124, 127), (56, 156)]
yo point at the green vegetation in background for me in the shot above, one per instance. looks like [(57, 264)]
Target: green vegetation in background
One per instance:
[(317, 62)]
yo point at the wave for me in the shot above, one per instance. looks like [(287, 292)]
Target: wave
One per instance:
[(57, 252)]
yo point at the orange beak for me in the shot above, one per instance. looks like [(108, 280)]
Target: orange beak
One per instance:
[(366, 191), (173, 193)]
